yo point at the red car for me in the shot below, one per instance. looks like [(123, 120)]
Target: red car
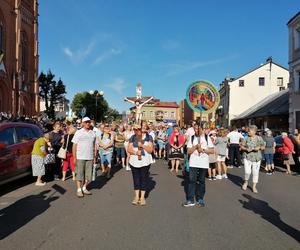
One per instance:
[(16, 143)]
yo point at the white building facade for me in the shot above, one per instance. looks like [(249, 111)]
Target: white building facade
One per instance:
[(294, 67), (239, 94), (61, 109)]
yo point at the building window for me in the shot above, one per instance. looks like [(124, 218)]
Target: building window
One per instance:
[(281, 88), (241, 83), (24, 51), (151, 114), (166, 114), (173, 114), (261, 81), (280, 81), (297, 38), (297, 81), (1, 37)]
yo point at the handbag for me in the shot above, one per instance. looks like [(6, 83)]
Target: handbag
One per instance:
[(49, 158), (62, 153)]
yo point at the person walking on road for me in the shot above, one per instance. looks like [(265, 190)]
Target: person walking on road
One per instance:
[(128, 133), (288, 151), (140, 149), (235, 139), (176, 143), (56, 139), (161, 141), (222, 151), (84, 154), (106, 149), (68, 145), (296, 141), (252, 147), (38, 154), (269, 151), (119, 146), (199, 147)]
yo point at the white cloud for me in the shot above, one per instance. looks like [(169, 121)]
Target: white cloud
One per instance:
[(80, 54), (182, 67), (107, 55), (118, 85)]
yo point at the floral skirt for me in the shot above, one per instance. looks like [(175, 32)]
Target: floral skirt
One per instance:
[(38, 166)]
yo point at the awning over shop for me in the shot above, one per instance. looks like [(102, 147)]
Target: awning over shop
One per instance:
[(276, 104)]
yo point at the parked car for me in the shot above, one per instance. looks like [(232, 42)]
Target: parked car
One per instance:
[(16, 143)]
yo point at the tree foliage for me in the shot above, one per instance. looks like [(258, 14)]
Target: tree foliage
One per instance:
[(88, 101), (51, 91)]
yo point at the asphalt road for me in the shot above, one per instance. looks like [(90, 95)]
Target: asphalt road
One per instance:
[(52, 217)]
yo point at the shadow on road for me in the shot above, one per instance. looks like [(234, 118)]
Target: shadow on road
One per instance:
[(184, 183), (101, 181), (237, 180), (14, 185), (26, 209), (151, 185), (263, 209)]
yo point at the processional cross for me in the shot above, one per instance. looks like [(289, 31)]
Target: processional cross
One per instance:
[(138, 103)]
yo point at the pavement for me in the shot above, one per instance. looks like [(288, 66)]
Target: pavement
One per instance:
[(52, 217)]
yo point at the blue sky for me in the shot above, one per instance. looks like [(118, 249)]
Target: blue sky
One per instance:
[(164, 44)]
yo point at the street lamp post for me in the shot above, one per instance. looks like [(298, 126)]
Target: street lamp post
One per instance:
[(96, 94)]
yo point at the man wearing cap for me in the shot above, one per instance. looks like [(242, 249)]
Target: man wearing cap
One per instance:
[(84, 154)]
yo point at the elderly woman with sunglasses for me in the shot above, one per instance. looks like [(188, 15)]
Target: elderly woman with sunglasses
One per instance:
[(252, 147)]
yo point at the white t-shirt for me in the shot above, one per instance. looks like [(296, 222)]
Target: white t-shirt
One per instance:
[(235, 137), (146, 159), (199, 160), (85, 140)]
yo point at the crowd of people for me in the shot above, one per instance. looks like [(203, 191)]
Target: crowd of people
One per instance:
[(200, 153)]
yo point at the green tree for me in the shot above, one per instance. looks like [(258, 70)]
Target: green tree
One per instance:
[(51, 92), (88, 101), (112, 115)]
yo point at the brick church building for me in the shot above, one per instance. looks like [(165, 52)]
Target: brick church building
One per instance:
[(19, 50)]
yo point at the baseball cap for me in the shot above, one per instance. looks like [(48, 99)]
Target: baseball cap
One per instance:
[(86, 119)]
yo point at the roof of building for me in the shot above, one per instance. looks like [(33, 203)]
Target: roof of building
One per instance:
[(275, 104), (293, 18), (166, 104), (222, 86), (262, 65)]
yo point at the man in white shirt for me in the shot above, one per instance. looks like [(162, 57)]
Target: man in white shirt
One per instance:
[(234, 147), (84, 153), (199, 147)]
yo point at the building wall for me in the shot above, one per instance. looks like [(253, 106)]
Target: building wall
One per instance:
[(18, 84), (242, 98), (169, 113), (294, 67)]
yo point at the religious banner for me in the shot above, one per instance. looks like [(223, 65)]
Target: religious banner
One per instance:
[(203, 97)]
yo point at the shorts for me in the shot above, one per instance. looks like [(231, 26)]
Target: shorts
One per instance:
[(161, 145), (221, 158), (120, 152), (83, 170), (269, 158), (212, 165), (106, 158), (288, 159)]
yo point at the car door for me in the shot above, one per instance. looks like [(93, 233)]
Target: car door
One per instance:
[(24, 145), (7, 153)]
